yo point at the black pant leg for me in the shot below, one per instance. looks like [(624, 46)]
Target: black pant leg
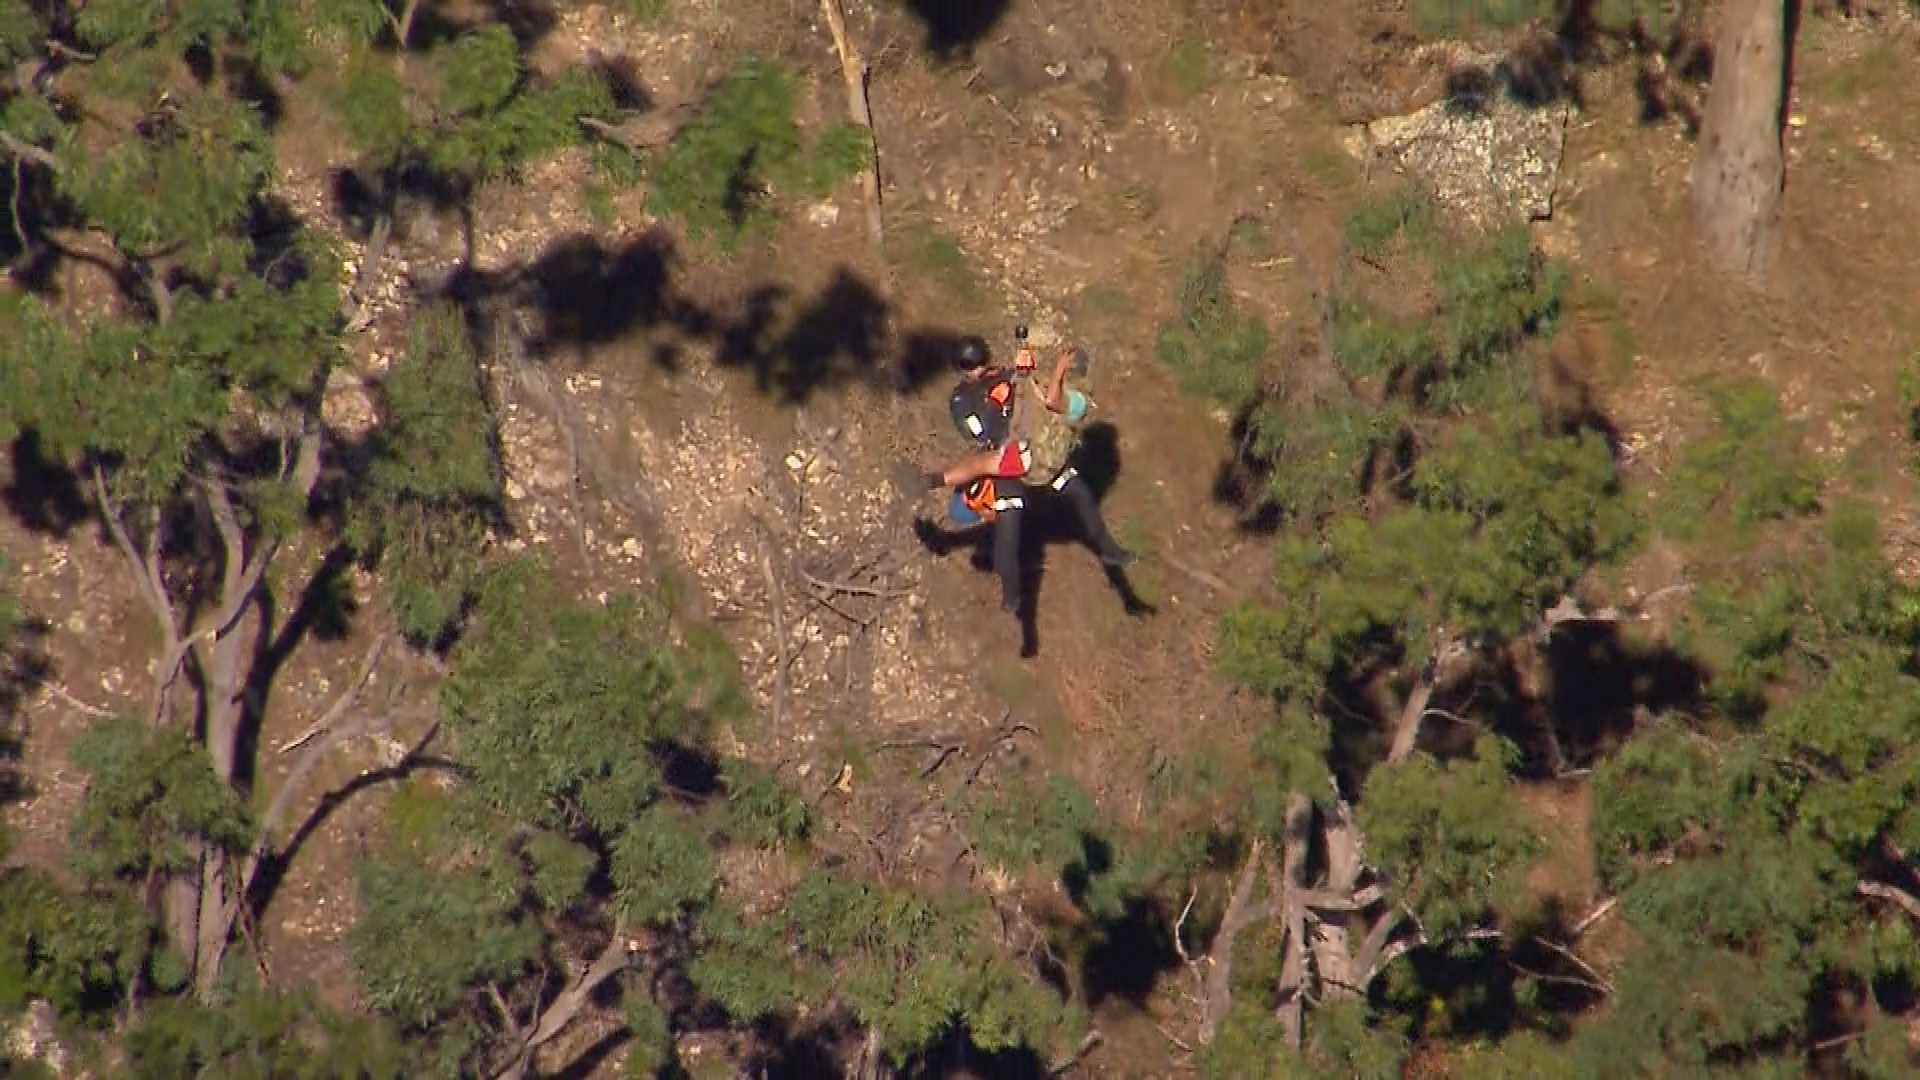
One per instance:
[(1006, 555), (1087, 509)]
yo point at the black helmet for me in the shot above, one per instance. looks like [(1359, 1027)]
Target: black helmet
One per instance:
[(970, 353)]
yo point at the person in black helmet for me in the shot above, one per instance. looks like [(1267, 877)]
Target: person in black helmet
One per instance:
[(982, 404)]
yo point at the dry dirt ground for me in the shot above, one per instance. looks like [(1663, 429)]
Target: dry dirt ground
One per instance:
[(1078, 155)]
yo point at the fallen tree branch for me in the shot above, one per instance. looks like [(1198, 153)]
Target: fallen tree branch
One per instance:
[(1882, 891), (1180, 931), (858, 108), (346, 699), (1086, 1046), (283, 796), (507, 1018), (1194, 572), (26, 151), (853, 588), (1600, 982), (1239, 915), (61, 692), (1402, 947), (616, 957), (1290, 1009), (1008, 728), (1568, 610), (1600, 911), (13, 204), (636, 136)]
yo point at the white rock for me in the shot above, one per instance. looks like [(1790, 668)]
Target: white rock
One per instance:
[(823, 214)]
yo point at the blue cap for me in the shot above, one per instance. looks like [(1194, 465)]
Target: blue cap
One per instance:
[(960, 513)]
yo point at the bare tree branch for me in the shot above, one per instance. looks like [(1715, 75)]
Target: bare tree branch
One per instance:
[(855, 72), (1406, 945), (615, 958), (1072, 1060), (1882, 891), (1375, 953), (156, 602), (657, 128), (346, 699), (1239, 914), (1406, 732), (1591, 918), (1568, 610), (507, 1018), (1291, 1009), (26, 151), (1600, 982), (776, 608), (854, 588)]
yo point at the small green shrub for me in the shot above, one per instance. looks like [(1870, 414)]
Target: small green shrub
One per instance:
[(1216, 351), (647, 11), (1190, 66), (1750, 470), (724, 170)]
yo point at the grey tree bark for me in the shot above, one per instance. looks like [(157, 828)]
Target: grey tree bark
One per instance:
[(1739, 170)]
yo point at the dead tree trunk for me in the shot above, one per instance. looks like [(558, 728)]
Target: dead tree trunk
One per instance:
[(1739, 169)]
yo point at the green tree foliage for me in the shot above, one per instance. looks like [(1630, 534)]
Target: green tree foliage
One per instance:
[(435, 478), (742, 147), (469, 112), (568, 716), (1748, 470), (1759, 850), (193, 408), (911, 967), (199, 394), (578, 724), (263, 1036), (1435, 509), (191, 403)]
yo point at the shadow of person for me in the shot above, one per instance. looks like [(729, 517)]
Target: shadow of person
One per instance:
[(941, 541), (1097, 459)]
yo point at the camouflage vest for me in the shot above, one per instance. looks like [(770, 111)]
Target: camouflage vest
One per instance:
[(1051, 438)]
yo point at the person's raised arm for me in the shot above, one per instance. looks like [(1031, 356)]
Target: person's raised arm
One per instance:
[(1054, 393)]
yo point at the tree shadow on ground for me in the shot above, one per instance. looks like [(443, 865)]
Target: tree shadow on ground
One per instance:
[(1599, 680), (436, 22), (955, 1057), (323, 611), (1047, 520), (803, 1050), (578, 294), (44, 494), (1530, 979), (1124, 954), (1240, 480), (589, 295), (1590, 684), (837, 337), (1673, 62), (25, 669), (955, 27)]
